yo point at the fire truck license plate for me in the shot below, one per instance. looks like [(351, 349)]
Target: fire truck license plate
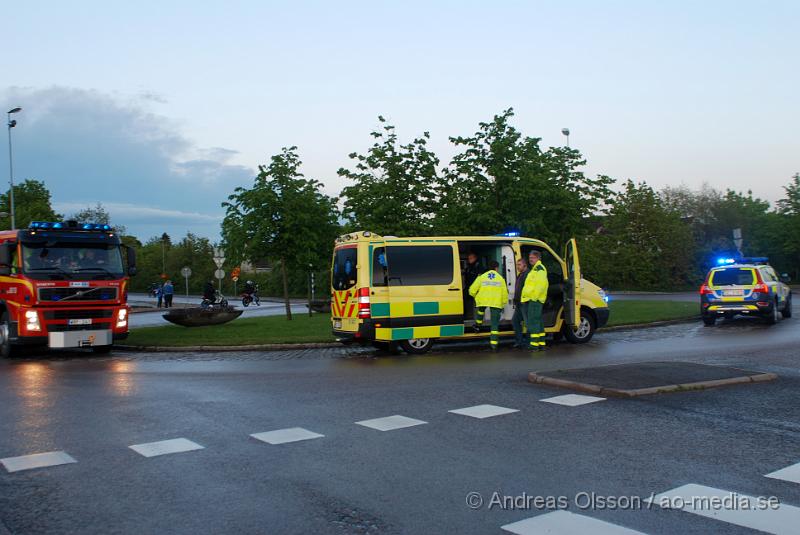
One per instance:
[(87, 321)]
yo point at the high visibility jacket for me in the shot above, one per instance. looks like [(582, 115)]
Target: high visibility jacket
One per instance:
[(489, 290), (536, 284)]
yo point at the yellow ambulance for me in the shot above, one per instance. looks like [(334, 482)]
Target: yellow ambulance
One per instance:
[(409, 292)]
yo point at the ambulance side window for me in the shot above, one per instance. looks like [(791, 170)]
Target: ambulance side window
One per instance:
[(420, 265), (380, 268)]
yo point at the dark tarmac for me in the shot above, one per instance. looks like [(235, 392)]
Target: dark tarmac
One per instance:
[(418, 479)]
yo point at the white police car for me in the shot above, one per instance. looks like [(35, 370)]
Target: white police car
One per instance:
[(747, 286)]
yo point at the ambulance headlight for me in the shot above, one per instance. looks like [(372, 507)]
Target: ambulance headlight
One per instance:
[(122, 318), (32, 321)]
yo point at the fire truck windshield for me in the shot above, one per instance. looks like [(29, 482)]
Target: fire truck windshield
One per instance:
[(54, 260)]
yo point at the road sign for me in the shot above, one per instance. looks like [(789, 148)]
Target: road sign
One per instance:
[(235, 279), (219, 257), (186, 272), (220, 274)]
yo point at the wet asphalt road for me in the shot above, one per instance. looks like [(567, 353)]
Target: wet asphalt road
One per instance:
[(413, 480)]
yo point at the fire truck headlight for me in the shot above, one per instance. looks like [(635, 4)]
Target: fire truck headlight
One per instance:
[(122, 318), (32, 320)]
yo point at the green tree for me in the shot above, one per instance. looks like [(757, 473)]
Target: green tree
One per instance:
[(644, 244), (502, 180), (31, 203), (394, 185), (97, 214), (789, 223), (284, 217)]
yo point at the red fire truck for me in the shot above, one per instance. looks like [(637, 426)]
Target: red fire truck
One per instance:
[(62, 285)]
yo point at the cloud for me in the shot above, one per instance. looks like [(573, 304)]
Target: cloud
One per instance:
[(89, 147)]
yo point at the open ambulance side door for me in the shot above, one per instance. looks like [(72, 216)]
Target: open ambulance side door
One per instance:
[(572, 285)]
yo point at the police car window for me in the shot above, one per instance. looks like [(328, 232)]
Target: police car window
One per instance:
[(420, 266), (733, 277), (343, 274), (770, 275), (380, 271)]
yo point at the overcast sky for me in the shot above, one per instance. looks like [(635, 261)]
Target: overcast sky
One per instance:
[(159, 109)]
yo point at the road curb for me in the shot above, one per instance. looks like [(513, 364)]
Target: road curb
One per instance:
[(536, 378), (688, 319), (211, 349), (322, 345)]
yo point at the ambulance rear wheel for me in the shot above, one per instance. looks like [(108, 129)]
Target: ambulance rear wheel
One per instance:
[(417, 346), (102, 350), (5, 345)]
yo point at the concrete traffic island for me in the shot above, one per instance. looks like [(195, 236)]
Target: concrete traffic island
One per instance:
[(644, 378)]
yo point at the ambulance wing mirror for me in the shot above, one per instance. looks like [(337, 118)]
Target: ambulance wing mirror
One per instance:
[(5, 259), (131, 255)]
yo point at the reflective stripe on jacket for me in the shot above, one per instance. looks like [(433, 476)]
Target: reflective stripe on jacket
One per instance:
[(489, 290), (536, 284)]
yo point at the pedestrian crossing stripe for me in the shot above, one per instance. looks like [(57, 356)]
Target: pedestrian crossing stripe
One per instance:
[(701, 500), (790, 473), (566, 523)]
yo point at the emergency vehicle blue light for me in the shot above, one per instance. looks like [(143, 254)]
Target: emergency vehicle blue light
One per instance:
[(724, 261), (755, 260), (511, 234), (58, 225)]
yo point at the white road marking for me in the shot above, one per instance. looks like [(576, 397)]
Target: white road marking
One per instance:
[(565, 523), (726, 506), (283, 436), (37, 460), (390, 423), (790, 473), (572, 400), (164, 447), (483, 411)]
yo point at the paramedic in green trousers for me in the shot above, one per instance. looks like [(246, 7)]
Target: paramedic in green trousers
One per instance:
[(534, 294), (490, 291), (519, 320)]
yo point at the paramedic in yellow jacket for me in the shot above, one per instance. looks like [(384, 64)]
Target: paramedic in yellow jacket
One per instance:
[(490, 291), (534, 294)]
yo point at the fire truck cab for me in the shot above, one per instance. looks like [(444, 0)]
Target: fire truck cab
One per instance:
[(63, 285)]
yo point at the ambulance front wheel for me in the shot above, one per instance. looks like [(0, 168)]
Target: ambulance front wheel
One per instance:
[(417, 346), (583, 331)]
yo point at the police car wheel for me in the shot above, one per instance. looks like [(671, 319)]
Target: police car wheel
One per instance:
[(709, 320), (5, 345), (417, 346), (773, 315), (583, 332), (787, 310)]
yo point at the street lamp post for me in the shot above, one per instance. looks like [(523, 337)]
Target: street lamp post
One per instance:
[(164, 240), (11, 124), (565, 131)]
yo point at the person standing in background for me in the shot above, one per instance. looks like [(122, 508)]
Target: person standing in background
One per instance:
[(169, 291)]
